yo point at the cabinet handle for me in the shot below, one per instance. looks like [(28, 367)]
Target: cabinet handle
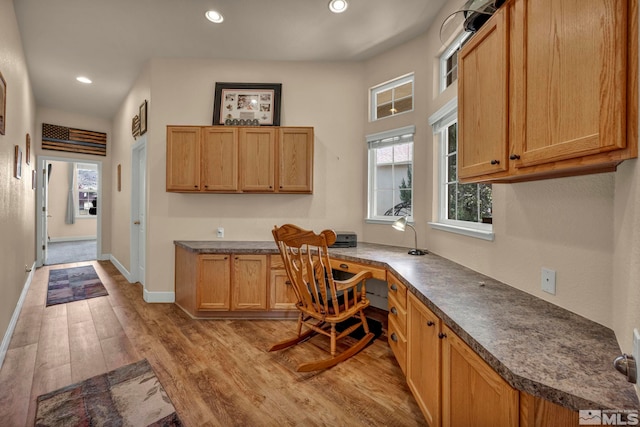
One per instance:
[(281, 186), (288, 282), (430, 323), (514, 157), (495, 162), (345, 266), (442, 335), (206, 186), (195, 186), (394, 311), (394, 337)]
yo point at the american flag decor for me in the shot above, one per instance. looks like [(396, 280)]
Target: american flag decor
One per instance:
[(62, 138)]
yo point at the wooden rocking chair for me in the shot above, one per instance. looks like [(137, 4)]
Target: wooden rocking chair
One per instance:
[(323, 302)]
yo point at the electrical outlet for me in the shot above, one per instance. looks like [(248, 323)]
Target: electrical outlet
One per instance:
[(220, 233), (636, 354), (549, 281)]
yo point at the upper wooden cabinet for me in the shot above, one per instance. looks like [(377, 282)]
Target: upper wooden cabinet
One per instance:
[(227, 159), (543, 91)]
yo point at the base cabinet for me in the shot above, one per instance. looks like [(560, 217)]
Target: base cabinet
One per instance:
[(283, 296), (213, 285)]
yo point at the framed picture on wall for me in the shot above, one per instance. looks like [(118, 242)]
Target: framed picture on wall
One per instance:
[(3, 104), (247, 103), (143, 118), (17, 170), (27, 157)]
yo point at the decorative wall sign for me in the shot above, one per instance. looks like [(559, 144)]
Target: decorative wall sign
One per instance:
[(143, 118), (3, 104), (135, 126), (28, 150), (247, 101), (119, 177), (62, 138), (17, 167)]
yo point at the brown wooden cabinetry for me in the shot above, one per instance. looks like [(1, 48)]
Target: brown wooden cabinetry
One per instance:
[(546, 89), (212, 287), (283, 296), (397, 297), (228, 159), (249, 282)]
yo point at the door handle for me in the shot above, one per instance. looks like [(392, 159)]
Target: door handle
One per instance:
[(136, 222)]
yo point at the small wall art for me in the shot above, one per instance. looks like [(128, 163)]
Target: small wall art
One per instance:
[(143, 118), (247, 102), (119, 177), (3, 104), (17, 169), (27, 157)]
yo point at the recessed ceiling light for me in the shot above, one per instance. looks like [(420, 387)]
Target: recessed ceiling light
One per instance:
[(338, 6), (83, 79), (214, 16)]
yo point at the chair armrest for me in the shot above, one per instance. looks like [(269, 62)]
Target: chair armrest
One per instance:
[(341, 285)]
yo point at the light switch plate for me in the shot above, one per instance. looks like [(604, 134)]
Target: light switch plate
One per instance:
[(549, 281)]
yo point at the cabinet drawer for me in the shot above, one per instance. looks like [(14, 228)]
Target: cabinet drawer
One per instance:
[(398, 290), (398, 344), (398, 313), (355, 268), (276, 262)]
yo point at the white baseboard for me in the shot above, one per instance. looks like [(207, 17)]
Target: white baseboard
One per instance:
[(159, 297), (4, 347), (120, 268), (71, 239)]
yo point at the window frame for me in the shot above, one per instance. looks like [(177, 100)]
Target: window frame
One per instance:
[(441, 121), (454, 47), (371, 190), (398, 81)]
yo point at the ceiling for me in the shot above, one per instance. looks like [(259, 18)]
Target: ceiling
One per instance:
[(109, 41)]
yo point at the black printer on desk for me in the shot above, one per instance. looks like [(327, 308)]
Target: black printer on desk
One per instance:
[(345, 239)]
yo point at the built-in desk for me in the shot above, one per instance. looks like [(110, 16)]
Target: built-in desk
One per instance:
[(535, 346)]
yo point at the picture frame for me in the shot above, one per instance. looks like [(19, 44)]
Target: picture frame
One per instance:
[(119, 177), (17, 169), (244, 103), (27, 157), (143, 118), (3, 104)]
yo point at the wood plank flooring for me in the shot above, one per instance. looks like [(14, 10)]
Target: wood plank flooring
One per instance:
[(216, 372)]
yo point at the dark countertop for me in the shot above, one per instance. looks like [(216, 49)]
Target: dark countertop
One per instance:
[(537, 347)]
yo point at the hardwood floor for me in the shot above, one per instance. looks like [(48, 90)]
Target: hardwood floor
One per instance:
[(216, 372)]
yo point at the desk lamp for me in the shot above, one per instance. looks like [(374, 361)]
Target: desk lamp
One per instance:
[(400, 224)]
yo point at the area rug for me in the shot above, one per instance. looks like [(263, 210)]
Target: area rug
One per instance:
[(128, 396), (73, 284)]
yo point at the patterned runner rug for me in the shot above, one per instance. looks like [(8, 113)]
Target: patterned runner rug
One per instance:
[(128, 396), (73, 284)]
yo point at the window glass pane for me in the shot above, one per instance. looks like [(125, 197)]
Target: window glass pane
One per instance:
[(87, 186), (467, 209), (402, 152), (384, 155), (402, 105), (451, 201), (384, 110), (384, 97), (452, 169), (452, 138), (485, 201), (384, 177), (404, 90)]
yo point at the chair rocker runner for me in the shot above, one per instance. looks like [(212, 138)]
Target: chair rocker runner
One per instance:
[(323, 301)]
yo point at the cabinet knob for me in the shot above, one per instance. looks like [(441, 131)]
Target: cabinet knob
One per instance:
[(394, 337), (442, 335), (206, 186), (394, 288), (514, 157), (195, 186), (394, 311), (495, 162), (345, 266), (430, 323)]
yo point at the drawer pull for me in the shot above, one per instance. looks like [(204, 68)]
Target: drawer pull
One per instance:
[(394, 311), (495, 162), (288, 282), (442, 335), (514, 157), (394, 337), (394, 288), (430, 323)]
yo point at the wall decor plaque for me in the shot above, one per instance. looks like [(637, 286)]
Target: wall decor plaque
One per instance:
[(248, 102)]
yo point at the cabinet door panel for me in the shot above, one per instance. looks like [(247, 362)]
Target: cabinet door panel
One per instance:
[(569, 72), (257, 157), (483, 90), (214, 282), (472, 393), (220, 159), (283, 296), (423, 359), (183, 158), (249, 282), (295, 159)]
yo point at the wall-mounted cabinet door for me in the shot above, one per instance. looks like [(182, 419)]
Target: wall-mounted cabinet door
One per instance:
[(183, 158), (219, 159), (214, 283), (249, 282), (569, 74), (257, 158), (295, 159)]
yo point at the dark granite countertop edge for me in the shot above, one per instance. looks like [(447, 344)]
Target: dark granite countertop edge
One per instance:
[(519, 382)]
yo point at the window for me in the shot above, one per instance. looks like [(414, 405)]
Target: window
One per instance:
[(449, 61), (392, 98), (390, 174), (463, 208), (86, 188)]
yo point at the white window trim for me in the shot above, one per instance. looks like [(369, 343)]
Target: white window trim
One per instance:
[(440, 121), (370, 179), (387, 85), (455, 45)]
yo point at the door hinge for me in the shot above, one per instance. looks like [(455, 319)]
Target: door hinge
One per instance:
[(43, 247), (44, 209)]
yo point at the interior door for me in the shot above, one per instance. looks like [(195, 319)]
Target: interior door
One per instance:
[(138, 210), (44, 212)]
